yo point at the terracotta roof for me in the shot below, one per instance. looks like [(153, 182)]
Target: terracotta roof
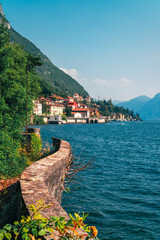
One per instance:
[(70, 97), (54, 96), (60, 98), (55, 104), (80, 110), (72, 103)]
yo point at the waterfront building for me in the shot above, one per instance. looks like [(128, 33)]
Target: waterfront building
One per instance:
[(80, 113), (56, 109), (94, 112), (121, 116), (72, 105), (37, 107)]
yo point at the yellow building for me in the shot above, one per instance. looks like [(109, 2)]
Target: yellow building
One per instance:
[(56, 109)]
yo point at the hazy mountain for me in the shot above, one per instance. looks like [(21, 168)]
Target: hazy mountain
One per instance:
[(53, 80), (148, 108), (116, 102), (151, 110), (135, 104)]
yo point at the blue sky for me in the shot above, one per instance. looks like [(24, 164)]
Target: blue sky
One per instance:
[(112, 47)]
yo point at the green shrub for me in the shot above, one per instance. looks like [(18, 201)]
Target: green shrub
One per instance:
[(35, 147), (36, 227), (38, 120), (12, 163), (64, 117)]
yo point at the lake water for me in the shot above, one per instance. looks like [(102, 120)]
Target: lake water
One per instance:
[(121, 192)]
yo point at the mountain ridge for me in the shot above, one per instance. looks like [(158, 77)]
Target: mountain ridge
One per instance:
[(53, 80), (148, 108), (135, 103), (56, 80), (151, 110)]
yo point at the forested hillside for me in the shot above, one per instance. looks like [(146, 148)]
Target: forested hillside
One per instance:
[(53, 80)]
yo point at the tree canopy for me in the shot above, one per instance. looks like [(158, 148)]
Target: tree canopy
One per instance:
[(14, 62)]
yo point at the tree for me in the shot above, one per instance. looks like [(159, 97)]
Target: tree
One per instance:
[(32, 62), (68, 111), (13, 62), (110, 106)]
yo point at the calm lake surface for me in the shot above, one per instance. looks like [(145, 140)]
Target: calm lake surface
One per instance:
[(121, 192)]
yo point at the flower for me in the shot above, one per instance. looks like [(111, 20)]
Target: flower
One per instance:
[(93, 231)]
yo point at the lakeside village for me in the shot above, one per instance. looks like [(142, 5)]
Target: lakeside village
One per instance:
[(76, 109)]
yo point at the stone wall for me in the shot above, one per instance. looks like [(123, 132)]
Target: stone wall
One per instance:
[(42, 180), (45, 180)]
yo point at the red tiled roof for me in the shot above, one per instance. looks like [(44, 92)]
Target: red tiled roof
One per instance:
[(80, 110), (54, 96), (70, 97), (55, 104), (60, 98), (72, 103)]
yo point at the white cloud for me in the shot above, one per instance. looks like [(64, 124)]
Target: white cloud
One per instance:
[(122, 82), (100, 81), (117, 88), (74, 74), (71, 72)]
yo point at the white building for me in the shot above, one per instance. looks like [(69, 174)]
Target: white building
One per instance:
[(56, 109), (37, 107), (80, 113)]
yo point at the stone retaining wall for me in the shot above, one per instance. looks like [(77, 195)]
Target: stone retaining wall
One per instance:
[(45, 180), (42, 180)]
